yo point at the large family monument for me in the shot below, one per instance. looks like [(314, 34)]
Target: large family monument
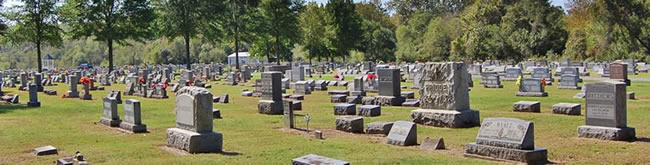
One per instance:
[(606, 112)]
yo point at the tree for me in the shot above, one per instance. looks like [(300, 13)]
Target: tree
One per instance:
[(378, 42), (282, 18), (239, 23), (344, 21), (3, 26), (109, 21), (314, 31), (188, 19), (37, 23)]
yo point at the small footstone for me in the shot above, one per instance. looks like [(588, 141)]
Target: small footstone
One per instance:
[(430, 144), (248, 94), (369, 110), (378, 128), (403, 133), (286, 96), (527, 106), (65, 161), (411, 103), (45, 150), (368, 101), (318, 134), (408, 95), (296, 105), (630, 96), (344, 109), (312, 159), (566, 108), (350, 124), (216, 113), (338, 98)]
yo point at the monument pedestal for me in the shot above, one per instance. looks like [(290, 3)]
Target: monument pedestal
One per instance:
[(71, 94), (607, 133), (536, 156), (446, 118), (110, 122), (569, 87), (532, 94), (87, 97), (270, 107), (626, 81), (389, 100), (133, 128), (194, 142), (33, 104), (358, 93)]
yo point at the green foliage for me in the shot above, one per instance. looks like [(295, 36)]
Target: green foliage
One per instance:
[(314, 31), (279, 31), (37, 23), (239, 23), (409, 36), (3, 25), (343, 20), (378, 43)]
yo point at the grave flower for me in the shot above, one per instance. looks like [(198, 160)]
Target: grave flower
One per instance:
[(84, 80)]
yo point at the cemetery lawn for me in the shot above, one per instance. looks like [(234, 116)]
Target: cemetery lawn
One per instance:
[(251, 138)]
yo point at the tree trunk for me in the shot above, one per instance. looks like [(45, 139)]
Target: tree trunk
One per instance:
[(187, 52), (110, 55), (277, 49), (237, 51), (38, 54)]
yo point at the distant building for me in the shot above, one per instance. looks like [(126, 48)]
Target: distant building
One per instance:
[(48, 62), (244, 59)]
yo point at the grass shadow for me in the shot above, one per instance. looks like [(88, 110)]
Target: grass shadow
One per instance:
[(227, 153), (642, 139), (4, 108)]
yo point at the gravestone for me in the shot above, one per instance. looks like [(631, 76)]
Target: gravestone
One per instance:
[(38, 79), (85, 94), (271, 102), (357, 87), (288, 114), (618, 72), (403, 133), (23, 82), (297, 73), (509, 139), (512, 74), (568, 81), (193, 132), (531, 87), (73, 93), (606, 112), (302, 88), (117, 95), (572, 71), (312, 159), (491, 80), (133, 117), (110, 118), (33, 96), (444, 97), (543, 73), (389, 87), (231, 79)]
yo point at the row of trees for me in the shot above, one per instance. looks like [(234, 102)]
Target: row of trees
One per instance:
[(187, 31)]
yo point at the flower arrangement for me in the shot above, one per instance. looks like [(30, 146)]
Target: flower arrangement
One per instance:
[(372, 76), (84, 80), (141, 80)]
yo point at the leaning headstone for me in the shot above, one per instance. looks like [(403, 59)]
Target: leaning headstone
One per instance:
[(193, 132), (378, 128), (349, 124), (606, 112), (133, 117), (271, 102), (312, 159), (33, 96), (431, 144), (509, 139), (110, 118), (531, 87), (402, 133), (444, 97)]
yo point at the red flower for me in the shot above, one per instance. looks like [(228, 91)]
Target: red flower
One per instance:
[(372, 76), (84, 80), (336, 76), (141, 80)]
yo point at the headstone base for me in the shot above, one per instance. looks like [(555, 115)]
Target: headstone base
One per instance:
[(569, 87), (71, 94), (86, 97), (532, 94), (193, 142), (389, 100), (493, 86), (509, 79), (536, 156), (358, 93), (446, 118), (566, 109), (110, 122), (270, 107), (527, 106), (607, 133), (33, 104), (626, 81), (133, 128)]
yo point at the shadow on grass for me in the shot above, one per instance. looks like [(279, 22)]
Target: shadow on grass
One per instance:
[(4, 108), (227, 153), (643, 139)]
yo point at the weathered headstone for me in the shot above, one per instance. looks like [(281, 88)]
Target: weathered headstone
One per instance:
[(117, 95), (288, 114), (444, 97), (33, 96), (509, 139), (606, 112), (512, 74), (271, 102), (568, 81), (618, 72), (193, 132), (302, 88), (110, 118), (491, 80), (403, 133), (543, 73), (133, 117), (312, 159), (531, 87)]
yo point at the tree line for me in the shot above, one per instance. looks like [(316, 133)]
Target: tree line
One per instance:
[(134, 32)]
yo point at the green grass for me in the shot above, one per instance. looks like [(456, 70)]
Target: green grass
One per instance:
[(252, 138)]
